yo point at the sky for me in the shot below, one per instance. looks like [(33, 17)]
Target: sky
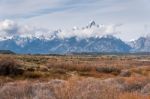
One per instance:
[(129, 18)]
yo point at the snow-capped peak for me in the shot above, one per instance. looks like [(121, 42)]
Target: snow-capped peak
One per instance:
[(91, 30), (92, 24), (3, 38)]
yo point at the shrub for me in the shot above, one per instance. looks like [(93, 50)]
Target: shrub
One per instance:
[(43, 69), (71, 66), (135, 83), (125, 73), (9, 66), (146, 89), (108, 69), (33, 74)]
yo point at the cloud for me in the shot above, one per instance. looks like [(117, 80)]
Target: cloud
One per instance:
[(16, 9), (11, 28), (90, 31), (65, 14)]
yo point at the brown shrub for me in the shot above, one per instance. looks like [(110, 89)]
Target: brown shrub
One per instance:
[(70, 66), (9, 66), (108, 69), (125, 73), (146, 89), (33, 75), (135, 83)]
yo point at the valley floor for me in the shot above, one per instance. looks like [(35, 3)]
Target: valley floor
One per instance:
[(74, 77)]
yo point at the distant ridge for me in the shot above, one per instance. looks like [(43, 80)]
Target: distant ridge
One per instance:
[(141, 45), (6, 52), (63, 46), (109, 53)]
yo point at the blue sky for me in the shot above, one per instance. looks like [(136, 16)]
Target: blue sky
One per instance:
[(134, 15)]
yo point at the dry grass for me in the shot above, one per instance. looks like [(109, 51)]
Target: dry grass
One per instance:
[(75, 77), (132, 96), (77, 88), (71, 66), (74, 88)]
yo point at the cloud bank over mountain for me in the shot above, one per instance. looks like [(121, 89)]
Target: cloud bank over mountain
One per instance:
[(10, 28)]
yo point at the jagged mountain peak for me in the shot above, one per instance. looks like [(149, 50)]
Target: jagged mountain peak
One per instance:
[(92, 24), (73, 44), (141, 45)]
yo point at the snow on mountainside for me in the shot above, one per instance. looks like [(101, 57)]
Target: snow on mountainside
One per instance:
[(91, 38), (73, 44), (141, 45)]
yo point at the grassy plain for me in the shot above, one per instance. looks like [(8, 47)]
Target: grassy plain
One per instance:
[(74, 77)]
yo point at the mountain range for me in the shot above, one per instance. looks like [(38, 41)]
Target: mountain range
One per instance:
[(57, 45), (141, 45)]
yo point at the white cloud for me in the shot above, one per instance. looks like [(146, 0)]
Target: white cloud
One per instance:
[(87, 32), (8, 27), (64, 14), (11, 28)]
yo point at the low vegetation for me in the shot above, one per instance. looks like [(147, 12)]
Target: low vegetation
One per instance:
[(74, 77), (9, 66)]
